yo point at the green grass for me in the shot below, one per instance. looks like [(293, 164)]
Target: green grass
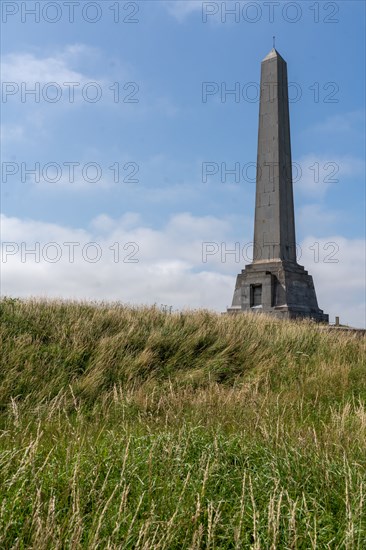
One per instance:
[(133, 428)]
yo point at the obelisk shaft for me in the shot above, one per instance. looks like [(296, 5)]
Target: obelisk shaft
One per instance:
[(274, 227), (274, 283)]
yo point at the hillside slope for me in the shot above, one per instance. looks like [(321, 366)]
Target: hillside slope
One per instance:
[(134, 428)]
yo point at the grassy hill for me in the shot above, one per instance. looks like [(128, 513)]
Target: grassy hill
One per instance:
[(134, 428)]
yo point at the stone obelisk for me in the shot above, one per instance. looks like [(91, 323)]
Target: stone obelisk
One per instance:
[(274, 282)]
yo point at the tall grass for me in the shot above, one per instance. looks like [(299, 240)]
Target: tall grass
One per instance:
[(133, 428)]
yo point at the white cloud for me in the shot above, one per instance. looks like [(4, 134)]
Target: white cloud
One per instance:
[(12, 133), (41, 85), (15, 230), (104, 224), (314, 175), (216, 12), (26, 67), (344, 123), (75, 75), (170, 269), (181, 9), (315, 215), (338, 266), (166, 106)]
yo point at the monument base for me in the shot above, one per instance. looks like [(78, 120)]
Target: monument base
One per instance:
[(279, 288)]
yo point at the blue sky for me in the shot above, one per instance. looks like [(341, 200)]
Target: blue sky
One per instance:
[(161, 132)]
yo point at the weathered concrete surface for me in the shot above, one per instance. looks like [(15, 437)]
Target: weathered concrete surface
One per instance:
[(274, 283), (287, 291), (274, 227)]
